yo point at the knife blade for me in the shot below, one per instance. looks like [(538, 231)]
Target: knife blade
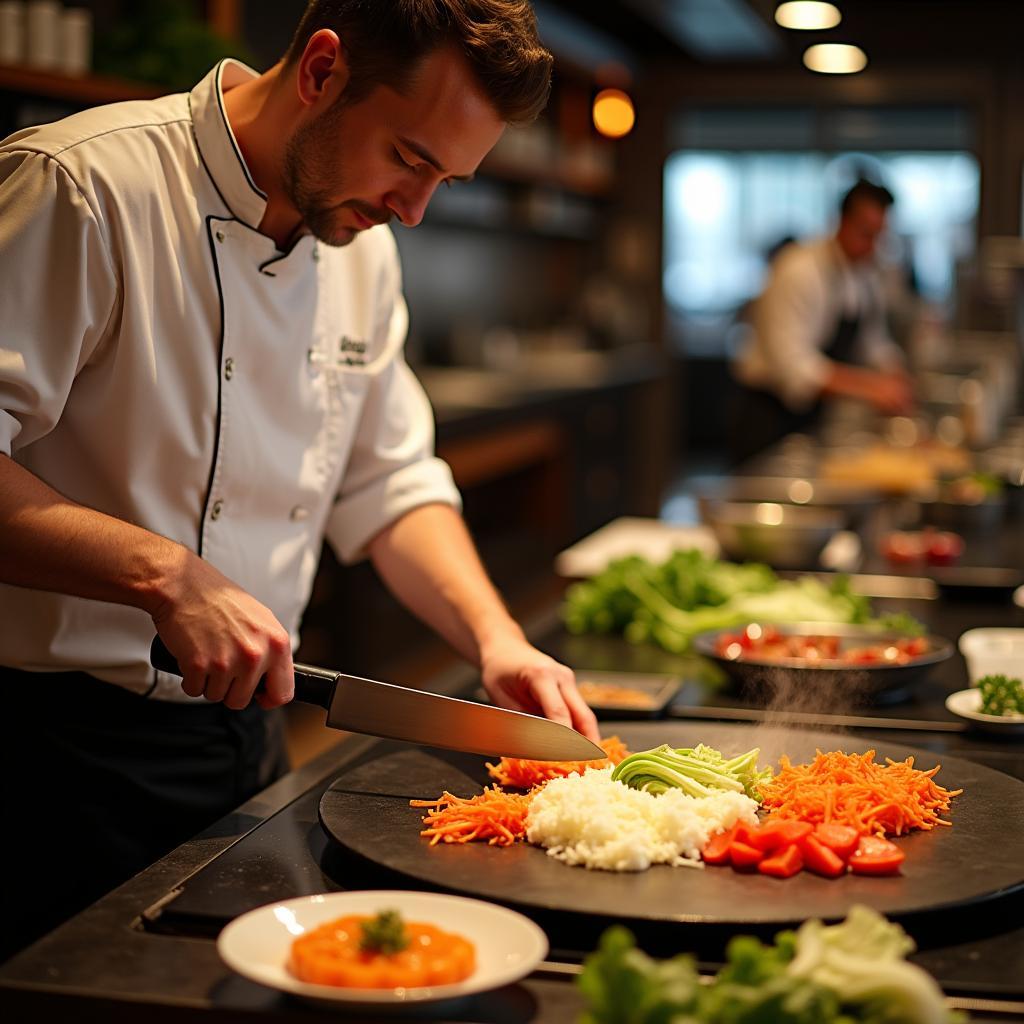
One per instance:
[(395, 712)]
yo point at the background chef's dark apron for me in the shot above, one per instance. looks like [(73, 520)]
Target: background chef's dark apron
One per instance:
[(99, 782), (761, 418)]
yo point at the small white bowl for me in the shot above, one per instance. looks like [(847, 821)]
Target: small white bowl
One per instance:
[(967, 704), (508, 945), (993, 651)]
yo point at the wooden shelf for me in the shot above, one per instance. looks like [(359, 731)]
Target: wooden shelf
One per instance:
[(85, 89)]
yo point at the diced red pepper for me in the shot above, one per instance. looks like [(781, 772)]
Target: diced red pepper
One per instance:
[(744, 833), (744, 856), (820, 859), (876, 856), (777, 832), (840, 838), (784, 864), (716, 850)]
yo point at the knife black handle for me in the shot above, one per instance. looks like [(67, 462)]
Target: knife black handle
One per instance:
[(312, 685)]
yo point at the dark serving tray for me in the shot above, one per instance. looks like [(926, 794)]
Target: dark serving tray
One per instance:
[(975, 861), (658, 691)]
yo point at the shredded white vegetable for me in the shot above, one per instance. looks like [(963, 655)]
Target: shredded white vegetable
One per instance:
[(590, 820)]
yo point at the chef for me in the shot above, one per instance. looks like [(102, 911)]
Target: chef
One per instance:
[(818, 332), (201, 379)]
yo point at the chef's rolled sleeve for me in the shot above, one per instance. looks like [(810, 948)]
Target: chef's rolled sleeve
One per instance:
[(58, 293), (393, 469)]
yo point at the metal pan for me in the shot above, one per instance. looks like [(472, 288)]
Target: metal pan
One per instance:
[(824, 682)]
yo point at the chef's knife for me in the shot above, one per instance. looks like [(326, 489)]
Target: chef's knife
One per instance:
[(399, 713)]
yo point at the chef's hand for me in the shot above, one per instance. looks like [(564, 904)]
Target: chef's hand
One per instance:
[(224, 639), (519, 677), (892, 393)]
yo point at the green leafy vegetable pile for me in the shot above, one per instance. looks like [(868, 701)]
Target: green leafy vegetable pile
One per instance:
[(1001, 695), (668, 603), (850, 973), (697, 771)]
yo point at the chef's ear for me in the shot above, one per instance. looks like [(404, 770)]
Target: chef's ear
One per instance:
[(323, 70)]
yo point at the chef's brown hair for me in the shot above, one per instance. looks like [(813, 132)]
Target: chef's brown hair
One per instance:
[(385, 40), (868, 191)]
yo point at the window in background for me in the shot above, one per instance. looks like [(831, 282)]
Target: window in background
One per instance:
[(727, 207)]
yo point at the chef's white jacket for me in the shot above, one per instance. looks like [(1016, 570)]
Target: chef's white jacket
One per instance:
[(161, 361), (811, 285)]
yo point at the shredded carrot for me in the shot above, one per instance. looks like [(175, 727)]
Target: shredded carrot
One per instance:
[(850, 789), (523, 774), (494, 815)]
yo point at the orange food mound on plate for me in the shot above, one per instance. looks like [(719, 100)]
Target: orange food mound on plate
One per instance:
[(333, 954)]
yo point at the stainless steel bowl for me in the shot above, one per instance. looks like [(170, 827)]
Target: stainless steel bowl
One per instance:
[(784, 536), (800, 685), (854, 499)]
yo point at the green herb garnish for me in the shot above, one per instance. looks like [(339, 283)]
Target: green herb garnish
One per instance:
[(385, 934)]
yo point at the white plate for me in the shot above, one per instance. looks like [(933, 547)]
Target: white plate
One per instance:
[(652, 539), (966, 703), (508, 945)]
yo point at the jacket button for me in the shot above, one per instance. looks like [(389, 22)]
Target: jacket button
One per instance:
[(298, 513), (220, 236), (316, 254), (218, 507), (229, 368)]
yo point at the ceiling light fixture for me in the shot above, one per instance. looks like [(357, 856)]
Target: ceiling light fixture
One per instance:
[(835, 58), (613, 113), (810, 15)]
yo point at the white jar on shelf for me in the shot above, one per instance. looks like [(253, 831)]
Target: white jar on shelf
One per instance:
[(75, 41), (12, 32), (42, 34)]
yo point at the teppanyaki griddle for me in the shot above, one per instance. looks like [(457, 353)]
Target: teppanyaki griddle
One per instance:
[(976, 860)]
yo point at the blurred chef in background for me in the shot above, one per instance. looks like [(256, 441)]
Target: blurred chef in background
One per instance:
[(818, 331)]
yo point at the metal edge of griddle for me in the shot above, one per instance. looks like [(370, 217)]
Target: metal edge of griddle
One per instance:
[(784, 717)]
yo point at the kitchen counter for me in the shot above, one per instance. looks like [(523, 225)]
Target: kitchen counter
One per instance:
[(147, 949)]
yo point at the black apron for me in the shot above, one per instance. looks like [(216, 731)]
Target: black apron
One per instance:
[(99, 782), (760, 418)]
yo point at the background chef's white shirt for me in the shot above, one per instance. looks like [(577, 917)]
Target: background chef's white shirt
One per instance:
[(162, 362), (811, 285)]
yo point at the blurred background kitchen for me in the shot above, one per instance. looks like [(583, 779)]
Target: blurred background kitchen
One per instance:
[(575, 309)]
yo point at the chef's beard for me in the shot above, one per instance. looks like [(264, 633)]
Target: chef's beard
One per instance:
[(311, 180)]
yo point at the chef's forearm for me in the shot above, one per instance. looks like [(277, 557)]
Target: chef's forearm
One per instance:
[(48, 542), (429, 562)]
